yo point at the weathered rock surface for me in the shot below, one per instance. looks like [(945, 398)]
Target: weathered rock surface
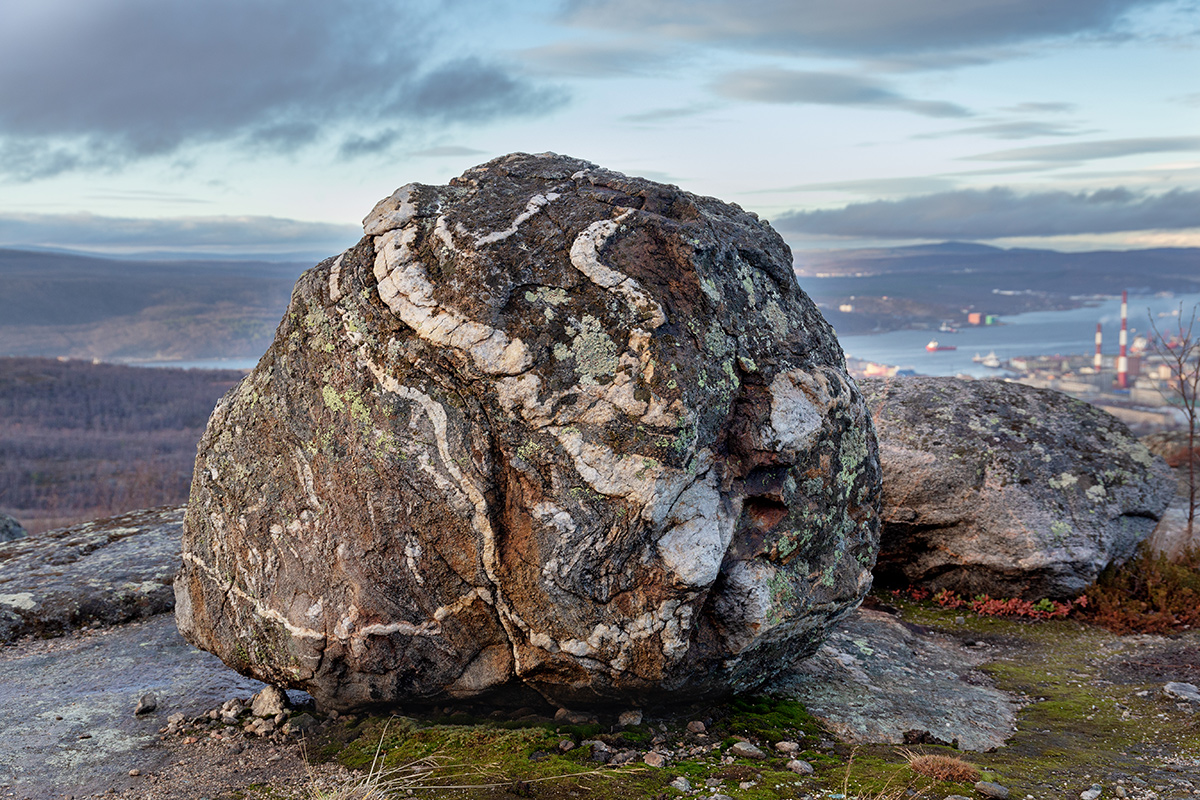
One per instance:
[(67, 703), (548, 426), (103, 572), (1001, 488), (10, 529), (879, 681)]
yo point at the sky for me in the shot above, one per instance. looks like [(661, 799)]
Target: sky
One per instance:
[(271, 128)]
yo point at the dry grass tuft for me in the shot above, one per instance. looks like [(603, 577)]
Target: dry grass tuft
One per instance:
[(944, 768)]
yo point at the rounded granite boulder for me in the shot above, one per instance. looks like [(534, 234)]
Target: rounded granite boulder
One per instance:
[(548, 427), (999, 488)]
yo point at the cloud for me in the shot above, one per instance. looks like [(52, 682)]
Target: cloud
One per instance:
[(99, 84), (665, 114), (447, 150), (1000, 212), (873, 186), (1028, 129), (855, 28), (250, 234), (597, 59), (1085, 151), (1041, 108), (774, 85)]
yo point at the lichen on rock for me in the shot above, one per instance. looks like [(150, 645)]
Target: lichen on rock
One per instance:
[(548, 427), (999, 488)]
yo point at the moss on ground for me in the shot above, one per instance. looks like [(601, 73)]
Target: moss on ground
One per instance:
[(1084, 719)]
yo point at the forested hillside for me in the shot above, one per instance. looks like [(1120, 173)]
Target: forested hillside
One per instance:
[(62, 304), (81, 440)]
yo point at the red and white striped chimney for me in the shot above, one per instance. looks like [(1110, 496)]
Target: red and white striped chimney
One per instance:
[(1122, 361), (1096, 362)]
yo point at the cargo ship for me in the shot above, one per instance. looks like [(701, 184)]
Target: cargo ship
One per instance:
[(934, 346)]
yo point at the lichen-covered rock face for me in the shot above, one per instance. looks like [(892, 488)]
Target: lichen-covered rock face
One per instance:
[(547, 427), (999, 488), (10, 529)]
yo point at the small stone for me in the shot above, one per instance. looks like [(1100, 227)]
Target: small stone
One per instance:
[(956, 797), (747, 784), (270, 702), (565, 746), (574, 717), (1183, 691), (720, 797), (145, 704), (175, 719), (625, 757), (959, 621), (787, 747), (133, 773), (747, 750), (713, 782), (274, 757), (990, 789), (682, 784), (298, 725), (1092, 793), (655, 759), (800, 767), (696, 726), (628, 719), (1120, 792)]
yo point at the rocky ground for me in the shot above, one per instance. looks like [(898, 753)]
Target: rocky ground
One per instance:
[(1077, 706)]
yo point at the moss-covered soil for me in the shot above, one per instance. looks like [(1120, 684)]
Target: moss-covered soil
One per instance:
[(1093, 713)]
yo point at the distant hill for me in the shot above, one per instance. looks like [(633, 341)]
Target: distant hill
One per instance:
[(919, 286), (61, 304)]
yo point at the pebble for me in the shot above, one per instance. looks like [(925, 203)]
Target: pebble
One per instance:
[(747, 750), (720, 797), (682, 784), (565, 746), (696, 726), (574, 717), (800, 767), (1092, 793), (713, 782), (956, 797), (1183, 691), (654, 759), (133, 773), (989, 789), (747, 785), (270, 702), (628, 719), (787, 747), (1120, 792), (145, 704)]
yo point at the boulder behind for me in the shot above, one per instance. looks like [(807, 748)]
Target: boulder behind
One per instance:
[(999, 488), (547, 427)]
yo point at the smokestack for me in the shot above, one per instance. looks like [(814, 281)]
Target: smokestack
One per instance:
[(1096, 363), (1122, 361)]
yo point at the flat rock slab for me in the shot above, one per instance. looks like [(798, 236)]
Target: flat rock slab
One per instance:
[(879, 681), (87, 685), (106, 572)]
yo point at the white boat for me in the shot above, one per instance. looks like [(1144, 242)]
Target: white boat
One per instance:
[(977, 358), (991, 360)]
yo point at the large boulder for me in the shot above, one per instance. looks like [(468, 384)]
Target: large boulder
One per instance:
[(999, 488), (10, 529), (548, 426)]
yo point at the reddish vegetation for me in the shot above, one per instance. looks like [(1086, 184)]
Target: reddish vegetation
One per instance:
[(944, 768), (1148, 594), (996, 607)]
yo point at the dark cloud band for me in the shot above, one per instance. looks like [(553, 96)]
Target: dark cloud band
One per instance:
[(999, 212)]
